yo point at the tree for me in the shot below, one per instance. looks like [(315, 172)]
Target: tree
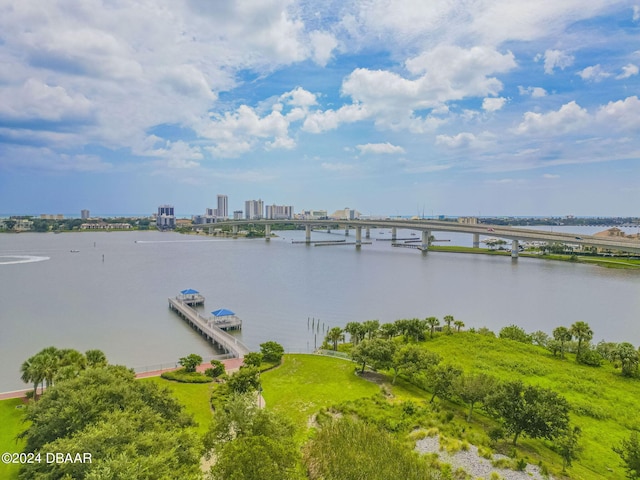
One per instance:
[(562, 335), (534, 411), (459, 324), (448, 319), (356, 331), (217, 369), (474, 389), (513, 332), (377, 353), (96, 358), (244, 380), (567, 445), (128, 426), (432, 323), (190, 362), (32, 371), (411, 361), (583, 333), (388, 330), (334, 335), (251, 443), (627, 355), (371, 328), (413, 329), (540, 338), (629, 451), (271, 351), (440, 379), (253, 359), (9, 224)]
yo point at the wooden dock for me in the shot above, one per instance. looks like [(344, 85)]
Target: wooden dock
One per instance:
[(208, 329)]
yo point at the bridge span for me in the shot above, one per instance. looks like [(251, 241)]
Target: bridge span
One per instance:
[(426, 227)]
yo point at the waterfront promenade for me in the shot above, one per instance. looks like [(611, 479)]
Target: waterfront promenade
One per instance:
[(230, 365)]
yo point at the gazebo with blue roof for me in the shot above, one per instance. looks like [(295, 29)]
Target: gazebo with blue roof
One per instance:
[(191, 297), (225, 319)]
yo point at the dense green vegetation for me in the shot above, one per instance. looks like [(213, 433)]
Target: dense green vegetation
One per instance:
[(610, 262), (556, 401)]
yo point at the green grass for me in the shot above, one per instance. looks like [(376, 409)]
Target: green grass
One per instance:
[(304, 384), (10, 426), (604, 404), (609, 262), (194, 397)]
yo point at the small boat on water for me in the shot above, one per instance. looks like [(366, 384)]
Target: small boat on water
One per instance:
[(74, 251)]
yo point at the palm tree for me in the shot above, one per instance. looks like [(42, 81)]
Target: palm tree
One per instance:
[(459, 324), (562, 335), (582, 332), (448, 319), (356, 331), (31, 373), (335, 335), (432, 322), (388, 330), (371, 328), (96, 358)]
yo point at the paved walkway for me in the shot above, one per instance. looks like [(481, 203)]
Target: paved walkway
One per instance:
[(230, 365)]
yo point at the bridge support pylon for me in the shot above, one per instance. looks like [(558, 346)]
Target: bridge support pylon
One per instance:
[(515, 247), (267, 232), (424, 245), (367, 233), (358, 236), (394, 234), (476, 240), (234, 231), (307, 234), (346, 230)]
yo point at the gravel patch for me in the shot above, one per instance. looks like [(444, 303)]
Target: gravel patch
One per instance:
[(475, 465)]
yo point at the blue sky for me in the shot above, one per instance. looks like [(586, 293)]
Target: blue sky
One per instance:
[(503, 107)]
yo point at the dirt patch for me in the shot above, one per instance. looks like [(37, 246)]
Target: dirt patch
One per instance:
[(374, 377)]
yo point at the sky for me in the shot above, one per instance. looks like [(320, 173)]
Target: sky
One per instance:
[(390, 107)]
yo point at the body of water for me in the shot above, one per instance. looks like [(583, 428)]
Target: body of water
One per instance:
[(109, 291)]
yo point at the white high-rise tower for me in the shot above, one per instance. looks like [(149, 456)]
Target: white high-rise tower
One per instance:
[(223, 207)]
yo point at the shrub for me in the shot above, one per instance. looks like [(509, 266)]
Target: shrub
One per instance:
[(591, 358), (184, 376), (513, 332), (271, 351), (217, 368), (495, 434)]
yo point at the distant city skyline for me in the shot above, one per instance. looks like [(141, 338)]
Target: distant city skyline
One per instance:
[(487, 108)]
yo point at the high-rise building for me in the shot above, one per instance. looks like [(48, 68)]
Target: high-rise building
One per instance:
[(237, 214), (253, 209), (166, 218), (223, 207), (84, 214), (279, 212)]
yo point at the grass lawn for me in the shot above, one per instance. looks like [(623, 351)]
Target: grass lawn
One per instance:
[(609, 262), (11, 422), (603, 403), (194, 397), (303, 384)]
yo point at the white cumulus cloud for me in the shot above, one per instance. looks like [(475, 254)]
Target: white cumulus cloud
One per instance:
[(490, 104), (628, 70), (594, 73), (556, 59), (380, 148)]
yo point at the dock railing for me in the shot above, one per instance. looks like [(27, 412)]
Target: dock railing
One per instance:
[(227, 341)]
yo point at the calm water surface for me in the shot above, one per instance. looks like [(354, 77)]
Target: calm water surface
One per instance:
[(119, 305)]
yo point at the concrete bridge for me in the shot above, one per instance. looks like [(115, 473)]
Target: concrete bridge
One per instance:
[(426, 227)]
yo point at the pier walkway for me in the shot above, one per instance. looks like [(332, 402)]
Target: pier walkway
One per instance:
[(211, 332)]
